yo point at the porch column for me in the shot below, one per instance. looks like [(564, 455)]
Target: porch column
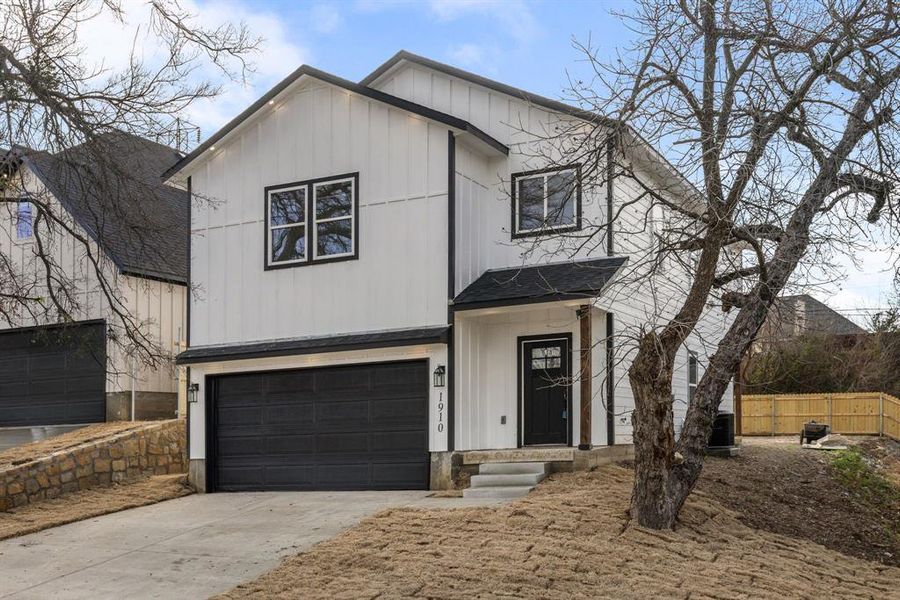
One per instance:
[(584, 317)]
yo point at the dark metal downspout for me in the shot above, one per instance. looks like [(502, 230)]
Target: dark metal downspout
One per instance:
[(451, 287), (610, 251), (610, 383)]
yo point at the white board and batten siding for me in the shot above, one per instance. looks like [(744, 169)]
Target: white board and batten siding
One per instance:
[(158, 307), (400, 277), (483, 218), (487, 372), (484, 241)]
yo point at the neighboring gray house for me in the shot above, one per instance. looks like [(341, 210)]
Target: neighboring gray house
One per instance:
[(74, 374), (379, 302), (793, 316)]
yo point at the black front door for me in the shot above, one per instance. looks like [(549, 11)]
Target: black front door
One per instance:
[(545, 391)]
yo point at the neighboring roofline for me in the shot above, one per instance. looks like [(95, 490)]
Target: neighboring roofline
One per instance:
[(154, 276), (390, 338), (412, 107), (25, 159), (536, 99)]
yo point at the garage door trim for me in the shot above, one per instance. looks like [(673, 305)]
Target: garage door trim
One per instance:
[(211, 383)]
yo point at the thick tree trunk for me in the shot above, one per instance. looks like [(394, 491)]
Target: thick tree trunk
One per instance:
[(653, 504)]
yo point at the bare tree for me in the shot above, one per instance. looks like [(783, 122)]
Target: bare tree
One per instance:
[(781, 118), (70, 116)]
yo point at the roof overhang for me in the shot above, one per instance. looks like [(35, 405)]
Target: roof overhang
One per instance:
[(459, 126), (390, 338)]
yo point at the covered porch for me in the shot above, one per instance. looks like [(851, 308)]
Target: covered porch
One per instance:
[(532, 364)]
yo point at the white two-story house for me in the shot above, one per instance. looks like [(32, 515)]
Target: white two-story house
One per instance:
[(382, 295), (109, 240)]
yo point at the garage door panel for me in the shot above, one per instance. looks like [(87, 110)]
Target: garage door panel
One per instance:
[(342, 475), (342, 443), (293, 445), (300, 414), (334, 428), (398, 441), (388, 474), (341, 411), (14, 390), (241, 446)]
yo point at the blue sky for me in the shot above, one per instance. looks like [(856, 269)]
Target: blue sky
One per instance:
[(525, 43)]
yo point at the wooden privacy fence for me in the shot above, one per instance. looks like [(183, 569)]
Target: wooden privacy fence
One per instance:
[(871, 413)]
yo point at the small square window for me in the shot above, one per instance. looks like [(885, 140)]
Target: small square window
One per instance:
[(24, 220), (546, 201)]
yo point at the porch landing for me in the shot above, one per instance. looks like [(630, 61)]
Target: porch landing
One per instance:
[(579, 459)]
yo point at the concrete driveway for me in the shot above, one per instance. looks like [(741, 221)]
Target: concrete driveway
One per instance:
[(192, 547), (10, 437)]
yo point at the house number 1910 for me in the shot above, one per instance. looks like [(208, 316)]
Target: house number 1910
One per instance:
[(440, 407)]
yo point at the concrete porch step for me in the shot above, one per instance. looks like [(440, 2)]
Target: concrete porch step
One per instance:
[(507, 491), (507, 480), (512, 468)]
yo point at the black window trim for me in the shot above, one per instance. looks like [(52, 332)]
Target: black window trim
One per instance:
[(543, 231), (310, 222)]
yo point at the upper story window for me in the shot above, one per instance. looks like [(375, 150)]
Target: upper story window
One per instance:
[(312, 221), (24, 220), (546, 201)]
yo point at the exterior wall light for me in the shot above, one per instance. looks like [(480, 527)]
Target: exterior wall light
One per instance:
[(438, 376), (193, 392)]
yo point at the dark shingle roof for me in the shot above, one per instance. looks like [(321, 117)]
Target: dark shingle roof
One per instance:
[(112, 188), (541, 283), (313, 345)]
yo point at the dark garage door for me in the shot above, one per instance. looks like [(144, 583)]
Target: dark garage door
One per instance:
[(53, 375), (358, 427)]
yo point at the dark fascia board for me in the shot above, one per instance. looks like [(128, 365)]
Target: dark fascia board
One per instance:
[(503, 88), (320, 345), (53, 326), (532, 98), (362, 90), (518, 301)]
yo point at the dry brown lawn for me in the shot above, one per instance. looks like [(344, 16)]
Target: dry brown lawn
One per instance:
[(570, 538), (90, 503), (22, 454)]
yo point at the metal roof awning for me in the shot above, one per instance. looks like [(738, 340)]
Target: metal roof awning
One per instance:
[(573, 280)]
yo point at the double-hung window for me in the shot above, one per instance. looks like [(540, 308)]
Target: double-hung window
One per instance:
[(312, 221), (24, 220), (546, 201)]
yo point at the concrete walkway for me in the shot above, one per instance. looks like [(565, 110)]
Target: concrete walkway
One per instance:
[(192, 547)]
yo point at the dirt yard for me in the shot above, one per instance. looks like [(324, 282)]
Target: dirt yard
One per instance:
[(29, 452), (90, 503), (570, 538), (779, 487)]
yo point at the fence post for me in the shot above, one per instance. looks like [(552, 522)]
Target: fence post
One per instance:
[(881, 413), (773, 416), (830, 411)]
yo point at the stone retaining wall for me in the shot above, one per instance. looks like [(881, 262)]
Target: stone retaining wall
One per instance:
[(157, 449)]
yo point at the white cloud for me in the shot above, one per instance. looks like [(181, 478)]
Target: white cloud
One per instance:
[(108, 43), (483, 57), (325, 18), (514, 16)]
